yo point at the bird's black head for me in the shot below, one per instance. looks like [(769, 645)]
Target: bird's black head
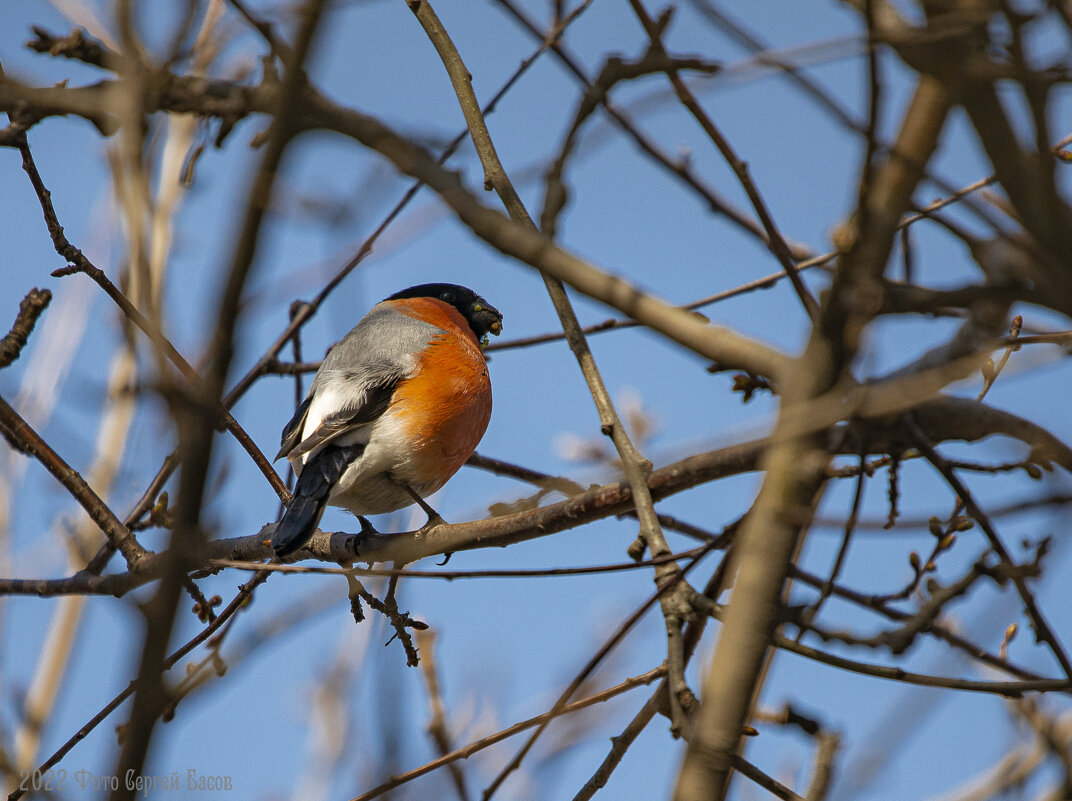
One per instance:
[(481, 315)]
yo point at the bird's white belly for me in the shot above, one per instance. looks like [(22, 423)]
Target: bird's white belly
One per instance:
[(372, 484)]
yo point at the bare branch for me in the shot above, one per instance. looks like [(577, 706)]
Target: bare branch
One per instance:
[(1038, 622), (466, 751), (776, 242), (634, 464), (237, 603), (196, 429), (22, 437), (795, 465)]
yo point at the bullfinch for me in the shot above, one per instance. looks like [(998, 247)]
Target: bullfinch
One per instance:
[(397, 406)]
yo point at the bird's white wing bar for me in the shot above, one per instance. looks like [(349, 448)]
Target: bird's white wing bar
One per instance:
[(354, 385)]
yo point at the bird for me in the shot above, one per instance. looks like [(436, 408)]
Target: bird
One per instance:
[(396, 408)]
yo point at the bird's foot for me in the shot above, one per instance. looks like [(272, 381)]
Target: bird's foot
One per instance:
[(433, 516), (353, 542)]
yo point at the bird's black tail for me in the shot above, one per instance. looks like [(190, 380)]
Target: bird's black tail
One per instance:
[(311, 496)]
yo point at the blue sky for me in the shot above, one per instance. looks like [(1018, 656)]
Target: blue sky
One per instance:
[(505, 648)]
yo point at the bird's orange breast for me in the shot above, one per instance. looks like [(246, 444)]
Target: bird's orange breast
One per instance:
[(446, 404)]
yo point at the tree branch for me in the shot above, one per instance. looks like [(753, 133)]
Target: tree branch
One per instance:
[(22, 437)]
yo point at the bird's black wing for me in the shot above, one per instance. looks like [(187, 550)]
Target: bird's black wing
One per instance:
[(292, 430), (357, 378), (376, 400)]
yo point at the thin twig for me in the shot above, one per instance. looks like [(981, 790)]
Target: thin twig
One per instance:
[(994, 370), (307, 310), (30, 308), (1038, 621), (618, 746), (634, 464), (237, 603), (768, 541), (437, 724), (467, 751), (776, 242), (453, 575), (582, 675), (80, 263), (22, 436), (768, 783), (1009, 689), (680, 168), (189, 373), (274, 366), (846, 538), (196, 429)]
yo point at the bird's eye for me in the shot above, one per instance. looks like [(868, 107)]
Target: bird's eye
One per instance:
[(477, 307)]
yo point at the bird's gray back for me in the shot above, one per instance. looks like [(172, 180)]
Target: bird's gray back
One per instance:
[(384, 344)]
